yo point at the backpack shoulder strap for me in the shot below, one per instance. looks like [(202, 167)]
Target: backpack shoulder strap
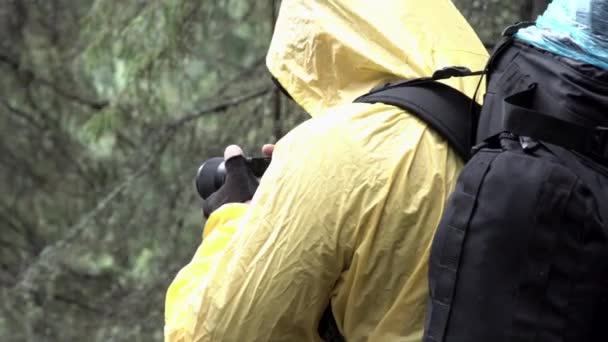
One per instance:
[(443, 108)]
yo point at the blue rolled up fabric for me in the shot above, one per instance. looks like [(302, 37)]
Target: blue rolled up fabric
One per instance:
[(577, 29)]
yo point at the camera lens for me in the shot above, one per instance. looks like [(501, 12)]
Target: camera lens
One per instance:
[(210, 176)]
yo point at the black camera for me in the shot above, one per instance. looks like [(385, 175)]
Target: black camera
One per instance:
[(212, 173)]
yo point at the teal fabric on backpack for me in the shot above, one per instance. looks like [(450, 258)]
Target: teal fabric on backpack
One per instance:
[(577, 29)]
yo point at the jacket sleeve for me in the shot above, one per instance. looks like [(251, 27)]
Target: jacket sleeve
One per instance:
[(274, 276), (218, 231)]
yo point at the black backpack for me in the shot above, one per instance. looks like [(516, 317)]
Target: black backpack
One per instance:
[(521, 252)]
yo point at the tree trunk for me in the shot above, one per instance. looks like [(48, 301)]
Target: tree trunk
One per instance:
[(277, 127)]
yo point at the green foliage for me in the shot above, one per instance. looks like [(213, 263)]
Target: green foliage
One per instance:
[(105, 115)]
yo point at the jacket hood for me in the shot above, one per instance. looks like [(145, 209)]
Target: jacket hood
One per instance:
[(329, 52)]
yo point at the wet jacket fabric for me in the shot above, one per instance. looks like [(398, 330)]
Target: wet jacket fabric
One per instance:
[(347, 210)]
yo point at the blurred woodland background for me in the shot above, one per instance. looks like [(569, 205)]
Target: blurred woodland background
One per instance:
[(107, 107)]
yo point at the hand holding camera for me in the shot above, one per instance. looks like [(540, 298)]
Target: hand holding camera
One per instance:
[(231, 179)]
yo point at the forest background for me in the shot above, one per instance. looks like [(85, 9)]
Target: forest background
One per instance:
[(107, 107)]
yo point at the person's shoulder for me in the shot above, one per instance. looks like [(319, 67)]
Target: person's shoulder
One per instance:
[(349, 121), (335, 132), (329, 122), (358, 134)]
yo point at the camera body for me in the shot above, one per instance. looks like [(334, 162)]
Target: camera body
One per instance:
[(211, 175)]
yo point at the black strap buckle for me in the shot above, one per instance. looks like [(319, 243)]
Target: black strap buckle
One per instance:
[(453, 71), (441, 74), (598, 142)]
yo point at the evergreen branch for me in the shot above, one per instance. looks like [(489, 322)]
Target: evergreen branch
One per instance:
[(13, 246), (26, 116), (248, 71), (38, 296), (81, 305), (30, 76), (50, 254), (10, 62), (217, 108)]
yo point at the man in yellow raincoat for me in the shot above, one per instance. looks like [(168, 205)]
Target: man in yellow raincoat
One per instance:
[(346, 212)]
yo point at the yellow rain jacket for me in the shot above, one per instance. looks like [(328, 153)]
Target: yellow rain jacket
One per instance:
[(348, 208)]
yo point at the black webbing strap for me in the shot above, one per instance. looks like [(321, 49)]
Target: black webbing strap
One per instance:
[(507, 39), (442, 283), (519, 119), (443, 108)]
